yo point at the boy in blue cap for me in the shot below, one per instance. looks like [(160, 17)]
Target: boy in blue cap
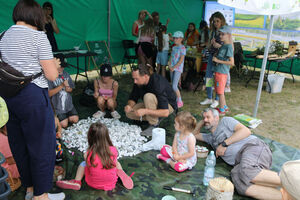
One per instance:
[(223, 59)]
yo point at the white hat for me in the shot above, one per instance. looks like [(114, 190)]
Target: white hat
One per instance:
[(178, 34), (290, 177)]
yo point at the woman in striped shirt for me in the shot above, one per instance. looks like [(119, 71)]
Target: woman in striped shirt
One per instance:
[(31, 130)]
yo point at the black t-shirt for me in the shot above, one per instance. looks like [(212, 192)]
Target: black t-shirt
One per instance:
[(160, 87)]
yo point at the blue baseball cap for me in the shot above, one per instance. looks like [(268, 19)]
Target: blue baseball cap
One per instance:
[(178, 34), (225, 29)]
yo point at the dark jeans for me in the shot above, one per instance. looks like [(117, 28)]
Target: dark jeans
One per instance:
[(31, 136)]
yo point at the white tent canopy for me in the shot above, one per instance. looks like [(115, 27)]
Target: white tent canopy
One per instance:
[(264, 7)]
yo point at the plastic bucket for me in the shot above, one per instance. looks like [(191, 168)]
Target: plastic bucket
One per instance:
[(275, 83), (4, 187)]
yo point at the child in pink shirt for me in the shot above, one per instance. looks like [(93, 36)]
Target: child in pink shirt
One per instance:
[(100, 168)]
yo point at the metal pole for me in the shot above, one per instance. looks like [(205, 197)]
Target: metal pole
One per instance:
[(108, 25), (263, 67)]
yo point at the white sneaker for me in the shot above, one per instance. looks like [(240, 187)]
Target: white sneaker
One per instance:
[(99, 114), (115, 115), (214, 104), (227, 89), (206, 101), (57, 196)]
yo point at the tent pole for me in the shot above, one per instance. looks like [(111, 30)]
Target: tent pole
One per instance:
[(263, 67), (108, 25)]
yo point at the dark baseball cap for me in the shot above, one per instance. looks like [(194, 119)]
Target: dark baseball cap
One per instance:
[(106, 70)]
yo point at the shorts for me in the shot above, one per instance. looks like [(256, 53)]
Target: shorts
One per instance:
[(63, 116), (220, 82), (254, 156), (162, 58)]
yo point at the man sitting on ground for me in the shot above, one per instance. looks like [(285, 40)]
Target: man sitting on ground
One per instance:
[(249, 155), (159, 99), (290, 180)]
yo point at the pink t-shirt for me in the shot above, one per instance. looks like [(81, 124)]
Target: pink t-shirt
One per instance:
[(5, 150), (98, 177)]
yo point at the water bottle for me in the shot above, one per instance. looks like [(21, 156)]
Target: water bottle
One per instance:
[(209, 171), (124, 69)]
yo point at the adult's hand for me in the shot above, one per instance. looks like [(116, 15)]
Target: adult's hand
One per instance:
[(220, 150), (140, 112), (128, 109)]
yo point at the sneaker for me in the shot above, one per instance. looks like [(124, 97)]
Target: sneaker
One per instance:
[(227, 89), (115, 115), (148, 131), (179, 104), (220, 112), (71, 184), (206, 101), (99, 114), (214, 104), (56, 196)]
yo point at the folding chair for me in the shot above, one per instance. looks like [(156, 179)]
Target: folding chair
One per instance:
[(239, 60), (104, 55), (129, 53)]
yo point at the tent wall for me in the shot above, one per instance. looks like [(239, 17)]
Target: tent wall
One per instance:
[(82, 20)]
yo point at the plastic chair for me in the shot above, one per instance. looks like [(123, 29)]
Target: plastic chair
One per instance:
[(129, 53)]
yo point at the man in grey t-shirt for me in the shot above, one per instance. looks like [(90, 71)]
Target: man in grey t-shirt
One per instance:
[(249, 155)]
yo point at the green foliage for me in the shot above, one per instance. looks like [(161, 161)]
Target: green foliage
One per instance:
[(277, 48)]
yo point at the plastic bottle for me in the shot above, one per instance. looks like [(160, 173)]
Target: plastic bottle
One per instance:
[(124, 69), (209, 171)]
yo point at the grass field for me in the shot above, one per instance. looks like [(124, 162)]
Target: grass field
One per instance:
[(279, 112)]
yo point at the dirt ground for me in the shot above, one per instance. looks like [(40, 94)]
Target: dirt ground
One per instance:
[(279, 112)]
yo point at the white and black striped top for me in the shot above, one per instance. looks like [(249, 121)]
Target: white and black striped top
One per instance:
[(23, 48)]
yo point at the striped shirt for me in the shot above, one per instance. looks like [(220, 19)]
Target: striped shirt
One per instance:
[(23, 48)]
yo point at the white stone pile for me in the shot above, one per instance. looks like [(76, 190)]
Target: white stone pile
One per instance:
[(126, 138)]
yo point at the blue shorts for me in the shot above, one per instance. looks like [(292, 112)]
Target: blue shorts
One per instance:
[(162, 57)]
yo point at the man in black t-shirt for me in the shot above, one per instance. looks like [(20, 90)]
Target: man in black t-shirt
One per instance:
[(159, 99)]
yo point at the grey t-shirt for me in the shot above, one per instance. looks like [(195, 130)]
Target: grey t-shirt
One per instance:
[(224, 130), (62, 101)]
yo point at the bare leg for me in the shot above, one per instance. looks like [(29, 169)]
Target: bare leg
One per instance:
[(111, 104), (158, 68), (178, 93), (267, 178), (222, 100), (262, 192), (41, 197), (79, 173), (163, 71), (101, 103), (64, 123), (73, 119)]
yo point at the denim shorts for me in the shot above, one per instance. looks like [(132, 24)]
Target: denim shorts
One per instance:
[(162, 57)]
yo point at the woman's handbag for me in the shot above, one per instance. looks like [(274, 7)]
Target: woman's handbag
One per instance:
[(11, 80)]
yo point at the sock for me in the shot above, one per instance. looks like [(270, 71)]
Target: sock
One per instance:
[(179, 99), (225, 107), (222, 109)]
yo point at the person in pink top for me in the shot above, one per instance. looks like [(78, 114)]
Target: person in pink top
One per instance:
[(101, 167), (105, 93), (9, 164)]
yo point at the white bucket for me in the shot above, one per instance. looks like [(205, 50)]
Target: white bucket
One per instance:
[(158, 140), (276, 82)]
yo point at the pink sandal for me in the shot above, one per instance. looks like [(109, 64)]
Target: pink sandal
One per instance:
[(126, 180)]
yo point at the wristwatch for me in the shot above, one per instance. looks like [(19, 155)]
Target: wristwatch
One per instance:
[(224, 144)]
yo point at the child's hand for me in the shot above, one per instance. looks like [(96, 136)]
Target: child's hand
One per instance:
[(66, 83), (171, 69), (176, 157), (182, 161), (215, 59), (96, 94)]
